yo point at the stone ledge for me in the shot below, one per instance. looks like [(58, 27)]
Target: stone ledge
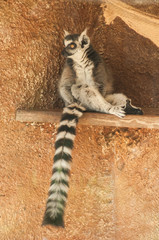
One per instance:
[(150, 119)]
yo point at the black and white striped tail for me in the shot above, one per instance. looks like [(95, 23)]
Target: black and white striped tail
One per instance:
[(61, 168)]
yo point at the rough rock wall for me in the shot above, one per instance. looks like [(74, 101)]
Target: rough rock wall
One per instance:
[(148, 6), (105, 184), (134, 155)]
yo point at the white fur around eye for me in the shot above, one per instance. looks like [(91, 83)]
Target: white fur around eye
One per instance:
[(67, 42)]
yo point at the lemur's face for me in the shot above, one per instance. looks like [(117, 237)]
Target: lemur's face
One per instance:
[(75, 44)]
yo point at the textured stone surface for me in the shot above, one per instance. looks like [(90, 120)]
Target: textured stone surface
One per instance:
[(148, 6), (114, 179), (136, 168)]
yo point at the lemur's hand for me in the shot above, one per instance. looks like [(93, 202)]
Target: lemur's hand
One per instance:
[(117, 111)]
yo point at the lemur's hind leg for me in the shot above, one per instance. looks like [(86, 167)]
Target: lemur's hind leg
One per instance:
[(119, 99), (91, 99)]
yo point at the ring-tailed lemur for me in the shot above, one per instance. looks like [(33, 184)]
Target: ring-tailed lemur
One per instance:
[(85, 84)]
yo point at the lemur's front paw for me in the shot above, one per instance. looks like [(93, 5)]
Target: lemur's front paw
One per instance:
[(117, 111)]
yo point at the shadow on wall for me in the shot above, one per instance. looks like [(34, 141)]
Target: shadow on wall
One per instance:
[(134, 60)]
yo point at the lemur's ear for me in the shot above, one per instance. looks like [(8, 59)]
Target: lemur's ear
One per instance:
[(84, 39), (66, 33), (84, 32)]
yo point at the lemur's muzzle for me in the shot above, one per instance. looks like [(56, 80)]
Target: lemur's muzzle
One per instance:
[(65, 53)]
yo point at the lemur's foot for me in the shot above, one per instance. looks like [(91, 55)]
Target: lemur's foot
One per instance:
[(130, 109), (117, 111)]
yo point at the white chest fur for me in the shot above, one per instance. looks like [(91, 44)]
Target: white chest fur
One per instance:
[(84, 74), (84, 70)]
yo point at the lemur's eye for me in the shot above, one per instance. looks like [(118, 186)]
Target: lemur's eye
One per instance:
[(72, 45)]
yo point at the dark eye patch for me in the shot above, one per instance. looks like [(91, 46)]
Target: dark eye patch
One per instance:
[(72, 46)]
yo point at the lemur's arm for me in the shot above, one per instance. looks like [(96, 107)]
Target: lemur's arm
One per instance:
[(103, 78), (65, 83)]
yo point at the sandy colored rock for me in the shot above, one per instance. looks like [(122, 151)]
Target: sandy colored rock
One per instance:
[(114, 179), (135, 154)]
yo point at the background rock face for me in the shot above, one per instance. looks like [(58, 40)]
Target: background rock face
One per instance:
[(114, 182), (148, 6)]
